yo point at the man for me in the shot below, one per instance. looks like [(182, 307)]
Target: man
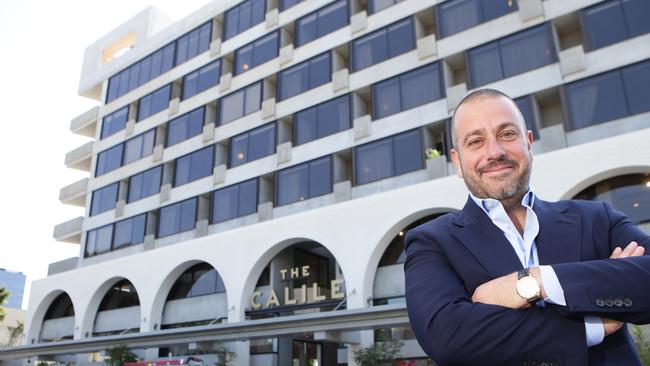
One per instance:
[(514, 280)]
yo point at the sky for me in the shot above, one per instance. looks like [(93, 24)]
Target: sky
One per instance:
[(42, 47)]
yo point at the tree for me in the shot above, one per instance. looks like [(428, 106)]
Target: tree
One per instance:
[(642, 344), (15, 334), (118, 355), (380, 353), (4, 294)]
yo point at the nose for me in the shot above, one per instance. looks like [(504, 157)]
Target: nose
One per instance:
[(494, 149)]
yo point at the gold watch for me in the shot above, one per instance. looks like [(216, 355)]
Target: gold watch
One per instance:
[(527, 286)]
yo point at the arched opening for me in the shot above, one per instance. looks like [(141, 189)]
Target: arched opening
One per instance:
[(119, 310), (58, 322)]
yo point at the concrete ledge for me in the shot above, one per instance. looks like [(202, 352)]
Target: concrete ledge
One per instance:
[(173, 106), (271, 19), (80, 157), (268, 108), (130, 127), (119, 208), (455, 94), (551, 138), (427, 47), (215, 48), (208, 133), (286, 54), (165, 192), (149, 242), (219, 174), (530, 9), (62, 266), (362, 127), (69, 231), (358, 22), (201, 228), (264, 211), (284, 152), (225, 81), (86, 123), (572, 60), (158, 151), (341, 80), (342, 191), (437, 167), (75, 193)]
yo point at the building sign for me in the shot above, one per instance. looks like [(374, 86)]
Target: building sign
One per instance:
[(307, 293)]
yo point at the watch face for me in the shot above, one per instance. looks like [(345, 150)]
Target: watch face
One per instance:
[(527, 287)]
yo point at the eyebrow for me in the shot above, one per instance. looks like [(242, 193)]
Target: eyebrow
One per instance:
[(481, 131)]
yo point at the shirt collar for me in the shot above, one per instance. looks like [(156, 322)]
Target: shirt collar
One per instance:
[(489, 204)]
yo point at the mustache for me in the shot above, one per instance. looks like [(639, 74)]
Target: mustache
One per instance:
[(502, 161)]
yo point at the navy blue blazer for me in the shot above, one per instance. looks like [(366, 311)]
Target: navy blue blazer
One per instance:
[(450, 256)]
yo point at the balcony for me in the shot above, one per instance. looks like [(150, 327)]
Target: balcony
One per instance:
[(69, 231), (86, 123), (75, 193), (81, 157)]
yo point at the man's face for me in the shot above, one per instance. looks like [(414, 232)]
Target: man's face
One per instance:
[(494, 151)]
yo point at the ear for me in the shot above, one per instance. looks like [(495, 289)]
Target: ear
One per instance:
[(455, 158), (529, 138)]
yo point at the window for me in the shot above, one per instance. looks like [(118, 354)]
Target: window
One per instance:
[(145, 184), (104, 199), (608, 96), (512, 55), (200, 279), (304, 76), (252, 145), (193, 43), (194, 166), (114, 122), (408, 90), (304, 181), (321, 22), (243, 16), (458, 15), (108, 160), (322, 120), (155, 102), (98, 240), (383, 44), (201, 79), (286, 4), (256, 53), (240, 103), (186, 126), (121, 295), (234, 201), (61, 307), (388, 157), (613, 21), (377, 5), (139, 146), (526, 106), (129, 231), (177, 218)]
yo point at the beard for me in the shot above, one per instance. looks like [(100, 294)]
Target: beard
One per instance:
[(499, 187)]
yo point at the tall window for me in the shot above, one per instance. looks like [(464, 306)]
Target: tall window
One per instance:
[(240, 103), (252, 145), (457, 15), (120, 295), (304, 181), (145, 184), (104, 199), (608, 96), (321, 22), (201, 79), (512, 55), (234, 201), (186, 126), (526, 106), (322, 120), (286, 4), (155, 102), (383, 44), (613, 21), (114, 236), (243, 16), (177, 218), (193, 43), (114, 122), (194, 166), (200, 279), (627, 193), (138, 147), (305, 76), (388, 157), (109, 160), (408, 90), (377, 5), (257, 53)]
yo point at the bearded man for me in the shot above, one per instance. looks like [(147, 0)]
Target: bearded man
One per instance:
[(515, 280)]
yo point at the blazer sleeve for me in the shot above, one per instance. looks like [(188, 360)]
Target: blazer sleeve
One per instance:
[(454, 331), (612, 288)]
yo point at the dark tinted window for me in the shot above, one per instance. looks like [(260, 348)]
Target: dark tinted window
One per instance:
[(121, 295), (285, 4), (252, 145), (383, 44), (114, 122), (627, 193), (99, 240), (104, 199), (129, 231), (614, 21), (240, 103), (243, 16), (145, 184), (194, 166), (256, 53), (186, 126), (108, 160), (155, 102), (200, 279), (388, 157), (61, 307), (193, 43), (139, 146), (304, 76), (377, 5), (234, 201), (322, 120), (177, 218), (457, 15), (525, 105), (406, 91), (321, 22), (201, 79), (304, 181)]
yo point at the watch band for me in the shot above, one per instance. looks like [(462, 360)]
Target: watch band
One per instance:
[(523, 273)]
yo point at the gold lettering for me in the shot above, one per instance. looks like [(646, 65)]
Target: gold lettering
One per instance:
[(254, 304), (336, 289), (315, 294), (294, 272), (283, 272), (305, 271), (287, 299), (303, 295), (273, 299)]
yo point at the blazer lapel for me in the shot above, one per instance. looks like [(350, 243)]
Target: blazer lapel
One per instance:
[(485, 241), (560, 233)]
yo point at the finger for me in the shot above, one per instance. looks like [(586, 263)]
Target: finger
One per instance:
[(629, 250), (639, 251), (616, 253)]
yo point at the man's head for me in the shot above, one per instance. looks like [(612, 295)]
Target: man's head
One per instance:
[(492, 147)]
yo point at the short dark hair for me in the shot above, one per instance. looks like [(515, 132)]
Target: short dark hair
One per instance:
[(470, 97)]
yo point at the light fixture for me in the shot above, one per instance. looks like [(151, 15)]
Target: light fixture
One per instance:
[(240, 156), (401, 233), (647, 184), (635, 205)]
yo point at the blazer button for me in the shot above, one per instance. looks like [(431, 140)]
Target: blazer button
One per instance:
[(544, 364), (600, 302), (618, 302), (609, 302), (627, 302)]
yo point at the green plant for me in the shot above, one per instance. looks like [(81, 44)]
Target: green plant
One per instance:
[(118, 355), (4, 294), (15, 334), (642, 344), (432, 153), (380, 353)]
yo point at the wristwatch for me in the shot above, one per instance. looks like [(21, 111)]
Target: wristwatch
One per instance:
[(527, 286)]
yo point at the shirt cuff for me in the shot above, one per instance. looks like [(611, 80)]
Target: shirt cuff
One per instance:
[(552, 287), (594, 330)]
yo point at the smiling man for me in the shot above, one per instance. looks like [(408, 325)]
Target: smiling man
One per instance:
[(515, 280)]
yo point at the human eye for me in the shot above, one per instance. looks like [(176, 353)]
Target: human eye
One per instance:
[(509, 134)]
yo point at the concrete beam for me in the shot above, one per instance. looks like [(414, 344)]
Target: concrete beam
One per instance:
[(80, 157), (86, 123), (75, 193), (69, 231)]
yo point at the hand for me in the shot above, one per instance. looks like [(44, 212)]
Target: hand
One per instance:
[(500, 291)]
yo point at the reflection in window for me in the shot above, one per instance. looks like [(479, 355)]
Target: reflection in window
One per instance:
[(155, 102), (193, 43), (305, 76), (177, 218), (240, 103), (200, 279), (322, 120), (613, 21), (321, 22), (194, 166), (526, 106), (61, 307), (120, 295), (114, 122), (243, 16), (457, 15), (383, 44), (114, 236), (139, 147), (201, 79), (252, 145), (256, 53), (108, 160), (388, 157), (285, 4), (234, 201), (186, 126), (377, 5), (104, 199), (304, 181), (145, 184)]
